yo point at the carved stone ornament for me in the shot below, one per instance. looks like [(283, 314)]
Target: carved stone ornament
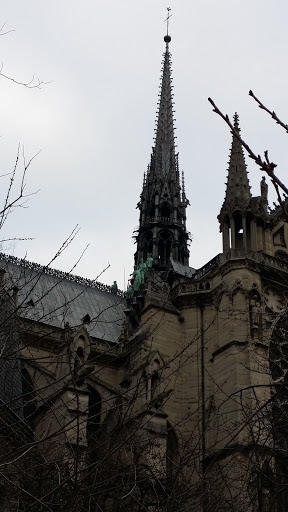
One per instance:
[(274, 299)]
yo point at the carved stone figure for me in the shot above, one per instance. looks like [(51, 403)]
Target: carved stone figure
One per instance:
[(137, 279), (149, 261), (255, 309), (264, 189), (129, 292), (143, 270), (114, 287)]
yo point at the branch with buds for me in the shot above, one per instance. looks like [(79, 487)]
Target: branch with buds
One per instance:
[(265, 164)]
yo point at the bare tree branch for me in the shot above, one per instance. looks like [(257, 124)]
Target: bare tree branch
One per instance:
[(265, 165), (271, 112)]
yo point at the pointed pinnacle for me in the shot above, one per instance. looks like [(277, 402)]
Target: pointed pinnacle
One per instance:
[(236, 122), (238, 187)]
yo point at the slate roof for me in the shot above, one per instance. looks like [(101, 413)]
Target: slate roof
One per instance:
[(181, 269), (54, 297)]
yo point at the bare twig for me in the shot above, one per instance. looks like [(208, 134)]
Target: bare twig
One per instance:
[(2, 33), (265, 165), (34, 83), (14, 239), (11, 203), (271, 112)]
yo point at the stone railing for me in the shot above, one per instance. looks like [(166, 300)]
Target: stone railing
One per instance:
[(164, 220), (259, 257), (207, 267), (274, 262)]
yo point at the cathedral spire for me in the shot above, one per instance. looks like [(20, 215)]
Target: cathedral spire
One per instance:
[(162, 229), (164, 140)]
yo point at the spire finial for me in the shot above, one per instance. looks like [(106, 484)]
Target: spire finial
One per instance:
[(167, 38), (236, 122), (183, 183)]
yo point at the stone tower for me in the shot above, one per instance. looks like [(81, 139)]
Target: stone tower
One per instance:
[(162, 225), (211, 344)]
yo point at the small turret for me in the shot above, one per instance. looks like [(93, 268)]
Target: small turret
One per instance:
[(236, 219)]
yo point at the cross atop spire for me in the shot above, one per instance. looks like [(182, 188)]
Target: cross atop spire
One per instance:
[(167, 20)]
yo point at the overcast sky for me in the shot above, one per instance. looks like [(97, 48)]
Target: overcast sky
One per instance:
[(94, 118)]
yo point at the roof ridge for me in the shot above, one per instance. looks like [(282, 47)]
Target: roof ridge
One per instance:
[(92, 283)]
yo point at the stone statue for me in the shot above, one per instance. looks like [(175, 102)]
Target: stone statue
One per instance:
[(114, 287), (137, 279), (143, 270), (129, 292), (264, 189), (255, 308), (149, 261)]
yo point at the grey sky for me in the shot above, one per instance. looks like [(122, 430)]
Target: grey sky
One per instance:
[(94, 122)]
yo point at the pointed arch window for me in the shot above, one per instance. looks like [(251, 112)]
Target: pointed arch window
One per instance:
[(147, 245), (165, 247), (154, 383), (29, 397), (238, 223), (182, 251), (78, 359), (172, 453), (94, 409), (153, 380), (152, 212), (165, 211)]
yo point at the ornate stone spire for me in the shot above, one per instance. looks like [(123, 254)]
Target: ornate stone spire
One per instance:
[(238, 193), (162, 230), (237, 219), (165, 162)]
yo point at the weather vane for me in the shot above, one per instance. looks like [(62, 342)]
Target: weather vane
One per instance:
[(168, 18)]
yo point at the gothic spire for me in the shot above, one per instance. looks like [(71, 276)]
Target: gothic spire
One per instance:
[(237, 226), (164, 140), (238, 189), (162, 227)]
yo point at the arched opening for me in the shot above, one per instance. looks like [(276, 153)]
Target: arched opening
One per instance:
[(152, 212), (182, 251), (154, 383), (165, 247), (249, 232), (147, 245), (29, 398), (172, 453), (79, 358), (94, 410), (226, 234), (238, 226), (78, 363), (165, 211)]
